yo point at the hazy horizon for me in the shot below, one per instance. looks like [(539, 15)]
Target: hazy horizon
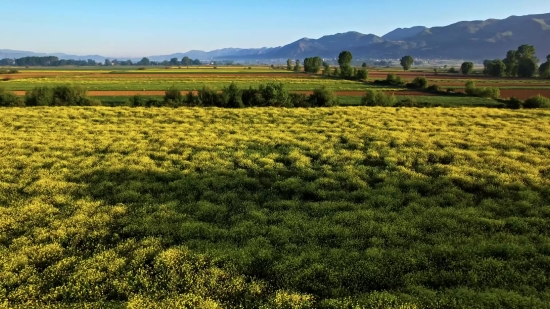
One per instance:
[(130, 29)]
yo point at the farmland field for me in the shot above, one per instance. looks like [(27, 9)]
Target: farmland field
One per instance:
[(349, 207), (154, 81)]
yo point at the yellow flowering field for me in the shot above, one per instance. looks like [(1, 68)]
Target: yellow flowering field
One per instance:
[(274, 208)]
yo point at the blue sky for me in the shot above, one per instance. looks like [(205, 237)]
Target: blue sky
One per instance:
[(133, 28)]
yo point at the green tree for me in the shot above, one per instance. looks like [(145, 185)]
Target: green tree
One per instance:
[(362, 74), (344, 60), (174, 61), (511, 62), (326, 70), (467, 68), (406, 62), (145, 61), (186, 61), (544, 70), (364, 65), (297, 66), (496, 68), (289, 64), (527, 67), (108, 62)]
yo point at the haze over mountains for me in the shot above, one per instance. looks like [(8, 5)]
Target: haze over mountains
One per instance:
[(472, 40)]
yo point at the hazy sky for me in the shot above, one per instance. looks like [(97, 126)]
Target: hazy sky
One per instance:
[(120, 28)]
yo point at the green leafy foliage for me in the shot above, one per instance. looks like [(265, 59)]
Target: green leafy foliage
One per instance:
[(484, 92), (537, 101), (406, 62), (466, 68), (418, 83), (378, 98)]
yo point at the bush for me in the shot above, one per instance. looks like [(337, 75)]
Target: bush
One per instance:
[(173, 96), (231, 96), (208, 97), (299, 100), (537, 101), (273, 94), (514, 103), (470, 88), (362, 74), (322, 97), (418, 83), (136, 101), (13, 71), (69, 96), (488, 92), (39, 96), (453, 70), (251, 97), (9, 99), (90, 102), (141, 68), (377, 98), (434, 89)]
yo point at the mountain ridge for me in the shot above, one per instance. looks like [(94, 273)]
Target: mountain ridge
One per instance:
[(474, 40)]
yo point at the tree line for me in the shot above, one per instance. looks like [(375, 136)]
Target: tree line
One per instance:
[(52, 61), (344, 70)]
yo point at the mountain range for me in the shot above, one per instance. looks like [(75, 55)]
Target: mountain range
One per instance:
[(473, 40)]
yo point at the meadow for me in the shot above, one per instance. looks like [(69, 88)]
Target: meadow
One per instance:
[(344, 207)]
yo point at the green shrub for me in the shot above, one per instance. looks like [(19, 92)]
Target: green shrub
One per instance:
[(251, 97), (208, 97), (136, 101), (514, 103), (68, 95), (488, 92), (39, 96), (299, 100), (470, 87), (407, 102), (322, 97), (537, 101), (10, 99), (377, 98), (362, 74), (418, 83), (232, 96), (13, 71), (173, 96), (273, 94), (434, 89)]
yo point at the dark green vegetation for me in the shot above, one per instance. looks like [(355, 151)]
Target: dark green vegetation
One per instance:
[(275, 208), (518, 63), (406, 62)]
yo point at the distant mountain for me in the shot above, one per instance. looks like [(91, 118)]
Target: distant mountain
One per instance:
[(400, 34), (473, 40), (8, 53)]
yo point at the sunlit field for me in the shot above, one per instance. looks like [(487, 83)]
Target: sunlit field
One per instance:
[(274, 208)]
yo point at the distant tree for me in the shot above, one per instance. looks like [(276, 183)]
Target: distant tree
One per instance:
[(511, 62), (362, 74), (544, 70), (527, 67), (344, 60), (313, 65), (495, 68), (467, 68), (406, 62), (289, 64), (174, 61), (364, 65), (186, 61), (297, 66), (326, 70), (144, 61), (197, 62), (108, 62)]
